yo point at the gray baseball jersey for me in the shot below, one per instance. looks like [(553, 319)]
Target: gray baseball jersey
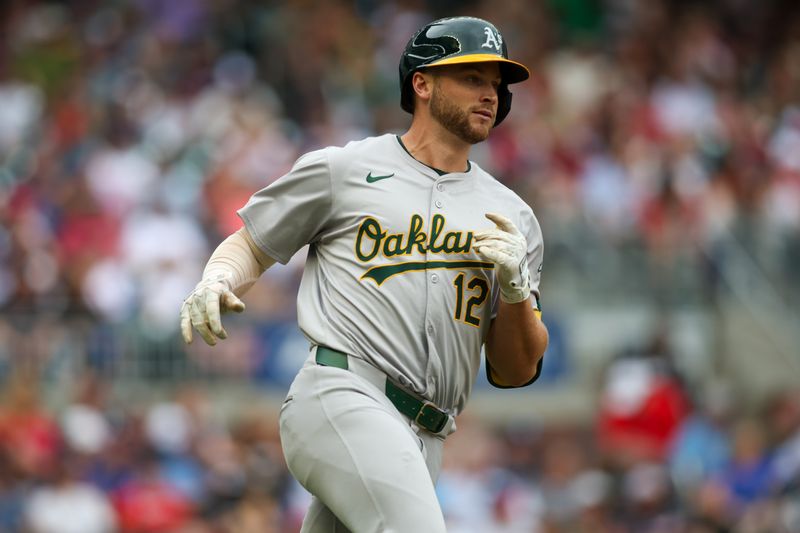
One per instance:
[(391, 275)]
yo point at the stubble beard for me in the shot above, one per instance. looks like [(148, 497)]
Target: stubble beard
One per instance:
[(454, 119)]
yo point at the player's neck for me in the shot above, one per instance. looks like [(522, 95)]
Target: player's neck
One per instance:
[(440, 150)]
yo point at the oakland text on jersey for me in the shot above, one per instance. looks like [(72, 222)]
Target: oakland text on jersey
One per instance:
[(372, 239)]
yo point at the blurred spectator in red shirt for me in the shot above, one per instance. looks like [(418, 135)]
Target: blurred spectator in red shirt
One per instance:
[(147, 504), (28, 433), (642, 406)]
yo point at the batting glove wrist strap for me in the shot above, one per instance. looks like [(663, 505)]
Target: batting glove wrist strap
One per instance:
[(507, 248), (216, 281), (515, 284)]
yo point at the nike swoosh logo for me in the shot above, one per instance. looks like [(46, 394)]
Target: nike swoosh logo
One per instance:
[(373, 179)]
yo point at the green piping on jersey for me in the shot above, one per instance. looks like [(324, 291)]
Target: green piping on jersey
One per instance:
[(379, 274)]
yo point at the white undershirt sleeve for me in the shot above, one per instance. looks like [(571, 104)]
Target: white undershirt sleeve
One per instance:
[(238, 262)]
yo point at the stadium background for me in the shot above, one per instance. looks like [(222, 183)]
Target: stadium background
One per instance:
[(658, 142)]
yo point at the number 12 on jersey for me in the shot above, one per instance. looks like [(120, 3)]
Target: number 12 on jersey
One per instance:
[(478, 290)]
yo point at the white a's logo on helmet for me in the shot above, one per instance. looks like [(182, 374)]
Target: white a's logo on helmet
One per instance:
[(493, 39)]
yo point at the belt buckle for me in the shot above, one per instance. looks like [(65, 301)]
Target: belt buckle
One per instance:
[(432, 406)]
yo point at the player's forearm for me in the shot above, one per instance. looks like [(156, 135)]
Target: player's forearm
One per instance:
[(516, 343), (237, 262)]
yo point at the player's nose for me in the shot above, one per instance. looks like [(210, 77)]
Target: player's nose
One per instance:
[(489, 102), (489, 95)]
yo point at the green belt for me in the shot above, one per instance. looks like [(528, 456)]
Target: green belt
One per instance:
[(425, 414)]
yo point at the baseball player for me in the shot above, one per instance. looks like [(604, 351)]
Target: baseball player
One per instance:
[(417, 259)]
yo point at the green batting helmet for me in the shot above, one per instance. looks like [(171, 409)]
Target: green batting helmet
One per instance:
[(455, 40)]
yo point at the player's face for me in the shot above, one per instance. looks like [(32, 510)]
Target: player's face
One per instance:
[(464, 99)]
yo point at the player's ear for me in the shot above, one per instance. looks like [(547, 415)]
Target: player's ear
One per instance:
[(422, 84)]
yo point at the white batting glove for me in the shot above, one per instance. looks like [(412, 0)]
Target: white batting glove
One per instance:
[(204, 306), (506, 247)]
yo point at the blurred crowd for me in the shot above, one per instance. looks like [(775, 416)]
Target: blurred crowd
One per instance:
[(132, 130), (655, 459)]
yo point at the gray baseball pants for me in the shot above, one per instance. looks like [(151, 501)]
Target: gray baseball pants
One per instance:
[(368, 468)]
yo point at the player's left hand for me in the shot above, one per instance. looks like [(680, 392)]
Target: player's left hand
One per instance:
[(507, 248)]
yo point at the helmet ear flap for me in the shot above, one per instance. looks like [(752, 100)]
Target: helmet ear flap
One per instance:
[(503, 103), (406, 96)]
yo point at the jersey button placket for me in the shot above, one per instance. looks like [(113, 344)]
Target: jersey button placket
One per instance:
[(433, 280)]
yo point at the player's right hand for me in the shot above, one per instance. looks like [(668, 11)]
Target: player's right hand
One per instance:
[(506, 247), (203, 309)]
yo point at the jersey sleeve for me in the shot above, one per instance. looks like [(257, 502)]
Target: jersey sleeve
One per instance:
[(292, 211), (529, 226), (535, 258)]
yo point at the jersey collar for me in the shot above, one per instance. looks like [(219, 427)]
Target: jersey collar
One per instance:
[(438, 172)]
